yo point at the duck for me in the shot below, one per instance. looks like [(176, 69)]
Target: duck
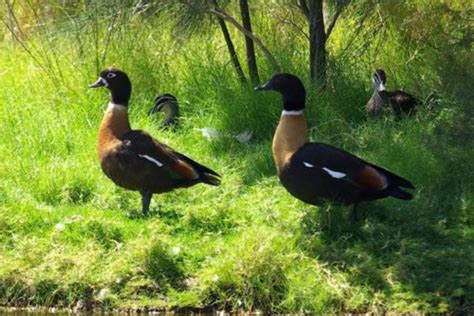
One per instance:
[(133, 159), (168, 104), (400, 101), (315, 172)]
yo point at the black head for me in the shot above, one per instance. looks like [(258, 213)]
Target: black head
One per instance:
[(291, 89), (117, 82), (379, 80), (381, 75)]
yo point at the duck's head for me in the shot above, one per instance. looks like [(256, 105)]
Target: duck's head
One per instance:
[(290, 87), (167, 104), (117, 82), (379, 79)]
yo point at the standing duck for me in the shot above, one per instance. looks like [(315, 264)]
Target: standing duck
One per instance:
[(167, 104), (400, 101), (313, 172), (134, 160)]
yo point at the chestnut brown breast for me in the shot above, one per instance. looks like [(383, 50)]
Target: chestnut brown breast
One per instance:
[(290, 135)]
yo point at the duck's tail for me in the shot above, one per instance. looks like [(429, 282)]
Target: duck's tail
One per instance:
[(206, 175), (210, 178), (398, 193), (395, 184)]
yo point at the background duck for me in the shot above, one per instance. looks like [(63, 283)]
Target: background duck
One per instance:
[(400, 101), (313, 172), (168, 104), (134, 160)]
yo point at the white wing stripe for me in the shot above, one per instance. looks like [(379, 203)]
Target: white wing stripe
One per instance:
[(156, 162), (334, 174), (307, 164)]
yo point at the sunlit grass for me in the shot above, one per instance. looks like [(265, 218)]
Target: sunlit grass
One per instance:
[(69, 236)]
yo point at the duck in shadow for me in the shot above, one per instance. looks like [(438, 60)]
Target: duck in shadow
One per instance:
[(400, 101), (315, 172)]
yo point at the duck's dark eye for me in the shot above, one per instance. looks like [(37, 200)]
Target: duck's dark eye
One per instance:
[(111, 75)]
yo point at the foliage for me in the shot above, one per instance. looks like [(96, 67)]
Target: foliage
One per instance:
[(70, 238)]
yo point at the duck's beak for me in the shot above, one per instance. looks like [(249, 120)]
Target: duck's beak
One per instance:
[(99, 83), (265, 86)]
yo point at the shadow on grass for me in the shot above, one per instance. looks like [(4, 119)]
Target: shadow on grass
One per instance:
[(44, 293), (164, 268), (419, 253), (423, 260), (254, 160), (163, 211)]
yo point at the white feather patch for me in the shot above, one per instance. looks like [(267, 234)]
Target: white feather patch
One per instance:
[(334, 174), (380, 86), (284, 112), (156, 162), (116, 107), (307, 164)]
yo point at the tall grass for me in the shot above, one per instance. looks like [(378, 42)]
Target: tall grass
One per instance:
[(70, 238)]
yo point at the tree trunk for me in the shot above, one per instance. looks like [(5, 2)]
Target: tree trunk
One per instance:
[(317, 42), (231, 49), (258, 41), (251, 60), (230, 46)]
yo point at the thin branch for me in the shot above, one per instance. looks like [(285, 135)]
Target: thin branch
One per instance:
[(290, 22), (22, 44), (331, 25), (231, 49), (231, 20), (230, 46), (20, 40), (108, 37), (357, 31), (249, 43), (304, 7), (54, 61)]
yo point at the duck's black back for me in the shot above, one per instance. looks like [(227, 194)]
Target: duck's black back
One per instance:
[(305, 178), (402, 102)]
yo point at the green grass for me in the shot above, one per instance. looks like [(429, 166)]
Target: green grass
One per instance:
[(69, 235)]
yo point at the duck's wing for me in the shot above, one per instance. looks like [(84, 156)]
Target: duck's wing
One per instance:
[(402, 101), (339, 165), (402, 96), (152, 151)]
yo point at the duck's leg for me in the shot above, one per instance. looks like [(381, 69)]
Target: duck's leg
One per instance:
[(354, 215), (146, 199)]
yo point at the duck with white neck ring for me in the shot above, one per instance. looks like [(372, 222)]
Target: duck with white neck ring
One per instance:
[(313, 172), (134, 160)]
